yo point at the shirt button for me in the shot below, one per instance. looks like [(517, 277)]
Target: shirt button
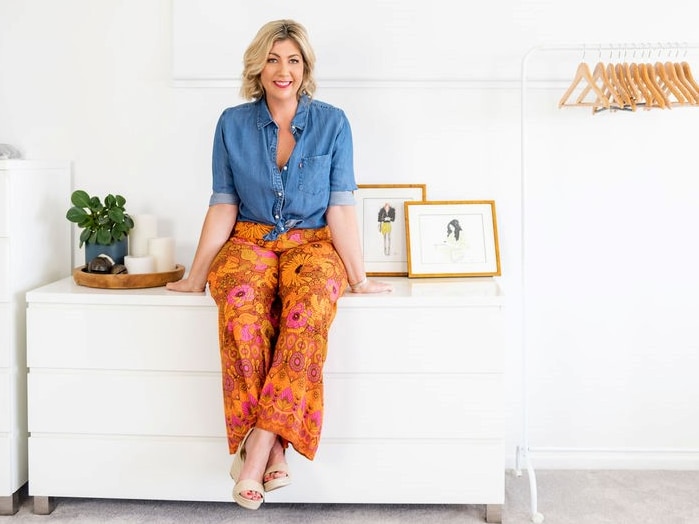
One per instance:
[(276, 217), (285, 168), (279, 194)]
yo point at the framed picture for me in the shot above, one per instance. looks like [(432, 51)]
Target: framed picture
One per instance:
[(381, 218), (452, 238)]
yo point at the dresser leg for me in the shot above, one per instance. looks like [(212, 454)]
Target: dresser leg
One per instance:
[(9, 505), (43, 505), (493, 513)]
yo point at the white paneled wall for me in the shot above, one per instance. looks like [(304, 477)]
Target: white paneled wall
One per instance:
[(129, 91)]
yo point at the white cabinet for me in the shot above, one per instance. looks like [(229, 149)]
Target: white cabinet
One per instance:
[(125, 397), (35, 249)]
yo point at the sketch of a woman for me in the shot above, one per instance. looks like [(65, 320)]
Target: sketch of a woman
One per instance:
[(387, 215), (455, 228)]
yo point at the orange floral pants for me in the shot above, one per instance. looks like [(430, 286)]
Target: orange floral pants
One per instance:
[(276, 301)]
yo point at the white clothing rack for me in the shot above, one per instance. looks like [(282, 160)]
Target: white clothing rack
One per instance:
[(523, 457)]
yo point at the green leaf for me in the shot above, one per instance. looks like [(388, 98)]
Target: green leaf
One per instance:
[(76, 214), (116, 215), (95, 204), (88, 222), (104, 236), (85, 236), (80, 198)]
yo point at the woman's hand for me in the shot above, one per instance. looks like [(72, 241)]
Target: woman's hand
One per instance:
[(186, 286)]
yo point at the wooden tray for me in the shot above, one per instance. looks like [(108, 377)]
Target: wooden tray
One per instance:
[(125, 280)]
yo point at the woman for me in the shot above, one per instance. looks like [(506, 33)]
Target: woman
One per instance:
[(387, 215), (278, 247)]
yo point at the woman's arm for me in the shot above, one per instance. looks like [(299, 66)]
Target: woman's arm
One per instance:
[(342, 221), (217, 228)]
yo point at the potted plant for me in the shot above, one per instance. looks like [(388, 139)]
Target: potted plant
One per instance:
[(105, 226)]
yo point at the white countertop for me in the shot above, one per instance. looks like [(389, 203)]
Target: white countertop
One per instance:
[(420, 291)]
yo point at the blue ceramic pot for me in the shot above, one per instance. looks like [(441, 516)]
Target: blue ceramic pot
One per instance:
[(116, 251)]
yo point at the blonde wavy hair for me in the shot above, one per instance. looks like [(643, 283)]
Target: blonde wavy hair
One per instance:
[(255, 57)]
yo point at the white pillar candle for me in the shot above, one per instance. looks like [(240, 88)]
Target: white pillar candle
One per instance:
[(139, 265), (163, 251), (144, 228)]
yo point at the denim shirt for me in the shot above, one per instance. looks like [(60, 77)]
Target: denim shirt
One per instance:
[(319, 172)]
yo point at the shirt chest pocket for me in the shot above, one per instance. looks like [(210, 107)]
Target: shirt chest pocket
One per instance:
[(314, 175)]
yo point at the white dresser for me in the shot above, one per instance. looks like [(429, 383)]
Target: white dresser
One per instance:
[(35, 248), (125, 398)]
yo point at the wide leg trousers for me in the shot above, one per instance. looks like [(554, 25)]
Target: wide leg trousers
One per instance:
[(276, 301)]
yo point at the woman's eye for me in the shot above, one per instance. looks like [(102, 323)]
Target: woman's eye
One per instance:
[(271, 60), (294, 61)]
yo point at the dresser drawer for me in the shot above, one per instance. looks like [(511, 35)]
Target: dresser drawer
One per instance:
[(4, 269), (126, 403), (6, 418), (419, 406), (449, 471), (151, 338), (4, 205), (374, 340), (7, 483), (424, 340), (372, 406), (5, 336)]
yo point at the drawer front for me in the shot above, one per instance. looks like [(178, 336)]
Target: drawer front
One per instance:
[(151, 338), (425, 340), (370, 340), (125, 403), (4, 269), (178, 404), (6, 466), (7, 397), (5, 335), (415, 406), (403, 471), (4, 205)]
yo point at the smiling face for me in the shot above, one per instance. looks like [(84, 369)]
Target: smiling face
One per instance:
[(282, 75)]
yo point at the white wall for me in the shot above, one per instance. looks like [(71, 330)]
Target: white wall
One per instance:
[(434, 97)]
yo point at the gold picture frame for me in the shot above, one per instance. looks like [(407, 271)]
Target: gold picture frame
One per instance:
[(452, 238), (381, 229)]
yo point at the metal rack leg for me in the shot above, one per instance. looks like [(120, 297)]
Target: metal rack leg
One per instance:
[(523, 455)]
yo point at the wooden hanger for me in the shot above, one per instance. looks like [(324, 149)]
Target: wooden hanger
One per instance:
[(624, 98), (648, 76), (600, 78), (688, 75), (668, 86), (671, 72), (641, 85), (634, 92), (583, 73), (679, 70), (622, 71)]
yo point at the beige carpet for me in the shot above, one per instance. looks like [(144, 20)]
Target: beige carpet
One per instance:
[(564, 497)]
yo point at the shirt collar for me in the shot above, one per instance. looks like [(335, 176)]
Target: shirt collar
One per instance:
[(264, 117)]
